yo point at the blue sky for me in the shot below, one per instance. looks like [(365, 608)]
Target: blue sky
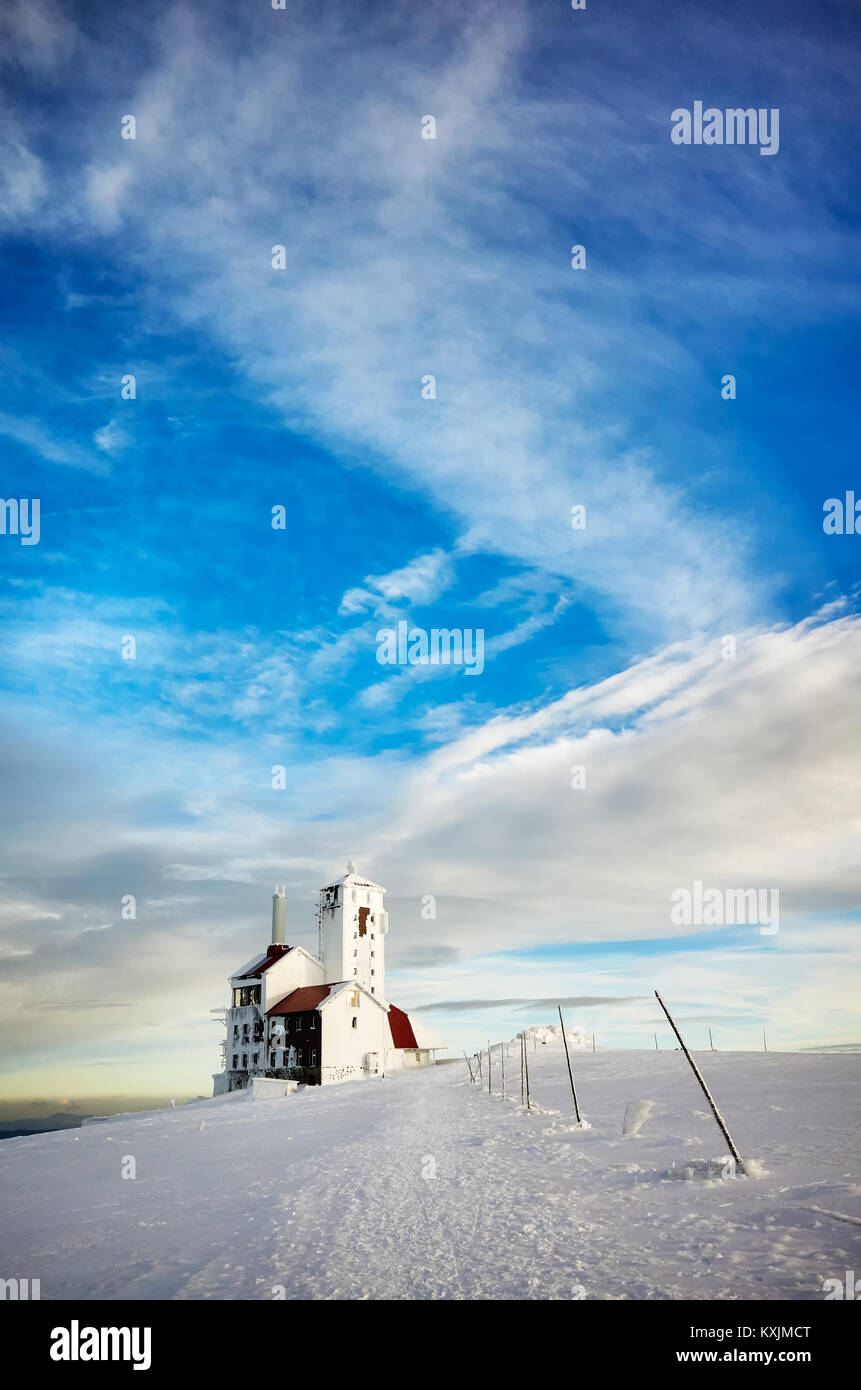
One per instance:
[(301, 388)]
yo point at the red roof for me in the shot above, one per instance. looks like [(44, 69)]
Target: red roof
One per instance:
[(273, 955), (301, 1000), (400, 1028)]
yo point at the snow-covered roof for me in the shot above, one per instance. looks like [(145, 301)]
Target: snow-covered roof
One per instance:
[(425, 1037), (355, 880), (260, 964)]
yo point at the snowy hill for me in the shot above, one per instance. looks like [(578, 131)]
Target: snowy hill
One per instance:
[(424, 1186)]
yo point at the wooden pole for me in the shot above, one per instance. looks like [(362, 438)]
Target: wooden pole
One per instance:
[(522, 1088), (526, 1069), (593, 1043), (568, 1060), (489, 1092), (469, 1068), (657, 1049), (478, 1059), (706, 1092), (502, 1064), (764, 1043), (711, 1041)]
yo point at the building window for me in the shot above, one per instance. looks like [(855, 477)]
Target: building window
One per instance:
[(312, 1022), (373, 953), (355, 953), (373, 991), (235, 1060), (244, 1060), (236, 1030), (247, 994), (355, 971), (284, 1060), (313, 1057), (272, 1059), (254, 1058), (355, 1023), (372, 972)]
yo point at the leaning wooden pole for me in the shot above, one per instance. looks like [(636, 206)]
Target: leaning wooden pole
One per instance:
[(468, 1067), (489, 1092), (526, 1070), (706, 1092), (502, 1064), (711, 1041), (655, 1036), (478, 1059), (568, 1060), (522, 1085)]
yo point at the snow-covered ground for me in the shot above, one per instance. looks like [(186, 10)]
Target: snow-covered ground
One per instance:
[(424, 1186)]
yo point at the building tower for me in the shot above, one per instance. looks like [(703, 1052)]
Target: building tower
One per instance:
[(352, 925)]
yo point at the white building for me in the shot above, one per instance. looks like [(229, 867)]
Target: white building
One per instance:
[(322, 1018)]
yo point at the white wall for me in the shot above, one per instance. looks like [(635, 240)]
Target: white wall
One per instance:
[(347, 956), (345, 1048), (294, 971)]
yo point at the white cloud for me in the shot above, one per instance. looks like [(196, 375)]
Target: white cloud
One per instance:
[(445, 271), (419, 582), (739, 773), (112, 438)]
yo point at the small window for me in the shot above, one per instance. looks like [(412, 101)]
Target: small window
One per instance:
[(355, 1022), (236, 1030), (235, 1060), (313, 1021), (244, 1060), (355, 953), (355, 971), (373, 991), (372, 972), (272, 1059), (373, 953), (255, 1058)]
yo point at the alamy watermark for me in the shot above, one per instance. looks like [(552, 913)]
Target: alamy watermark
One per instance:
[(718, 907), (442, 646), (842, 517), (20, 518), (735, 126)]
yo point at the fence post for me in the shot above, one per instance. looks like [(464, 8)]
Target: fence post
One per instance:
[(706, 1092), (568, 1060)]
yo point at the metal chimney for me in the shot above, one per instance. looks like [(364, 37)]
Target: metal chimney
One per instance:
[(279, 919)]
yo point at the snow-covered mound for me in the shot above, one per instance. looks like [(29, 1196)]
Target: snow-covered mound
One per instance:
[(577, 1036), (424, 1185)]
